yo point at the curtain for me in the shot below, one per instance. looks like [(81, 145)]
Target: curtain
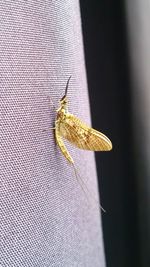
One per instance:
[(46, 217)]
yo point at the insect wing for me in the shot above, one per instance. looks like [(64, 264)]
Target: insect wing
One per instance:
[(82, 136)]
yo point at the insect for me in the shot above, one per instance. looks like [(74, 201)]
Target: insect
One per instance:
[(71, 128), (76, 132)]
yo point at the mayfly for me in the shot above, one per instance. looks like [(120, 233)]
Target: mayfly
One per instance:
[(71, 128)]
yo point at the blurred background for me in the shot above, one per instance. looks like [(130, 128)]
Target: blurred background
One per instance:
[(117, 52)]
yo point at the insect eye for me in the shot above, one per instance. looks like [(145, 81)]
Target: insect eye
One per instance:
[(63, 100)]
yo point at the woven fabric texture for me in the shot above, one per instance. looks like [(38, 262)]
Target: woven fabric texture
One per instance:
[(46, 218)]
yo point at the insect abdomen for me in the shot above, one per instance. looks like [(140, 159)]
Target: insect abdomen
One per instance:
[(62, 146)]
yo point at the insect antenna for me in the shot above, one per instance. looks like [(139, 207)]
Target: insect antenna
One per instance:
[(66, 89), (84, 186), (67, 85)]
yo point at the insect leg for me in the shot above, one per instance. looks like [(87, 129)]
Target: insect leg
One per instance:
[(51, 102)]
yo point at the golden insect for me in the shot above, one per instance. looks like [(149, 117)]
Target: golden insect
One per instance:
[(71, 128), (76, 132)]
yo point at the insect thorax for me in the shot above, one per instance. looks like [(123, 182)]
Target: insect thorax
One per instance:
[(61, 114)]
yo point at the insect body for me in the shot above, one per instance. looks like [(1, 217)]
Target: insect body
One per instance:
[(76, 132)]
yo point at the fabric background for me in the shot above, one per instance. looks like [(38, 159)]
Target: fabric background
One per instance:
[(46, 218)]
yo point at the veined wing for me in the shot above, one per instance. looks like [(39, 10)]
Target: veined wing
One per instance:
[(82, 136)]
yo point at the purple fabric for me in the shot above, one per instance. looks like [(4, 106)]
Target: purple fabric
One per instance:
[(46, 218)]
